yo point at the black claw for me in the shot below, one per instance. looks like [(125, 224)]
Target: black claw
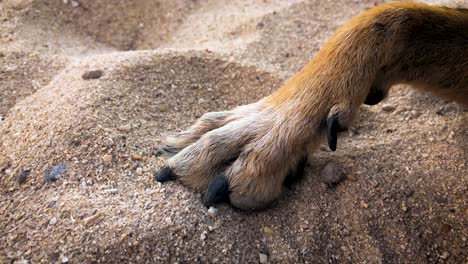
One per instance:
[(333, 128), (165, 174), (217, 192)]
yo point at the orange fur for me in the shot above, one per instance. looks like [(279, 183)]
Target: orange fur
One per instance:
[(411, 43)]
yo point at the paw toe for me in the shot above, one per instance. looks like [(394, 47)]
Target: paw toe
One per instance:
[(217, 191), (165, 174)]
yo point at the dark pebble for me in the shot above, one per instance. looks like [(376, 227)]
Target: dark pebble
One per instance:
[(96, 74), (408, 192), (55, 173), (332, 174), (260, 25), (23, 176)]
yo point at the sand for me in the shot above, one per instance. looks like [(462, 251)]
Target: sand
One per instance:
[(165, 63)]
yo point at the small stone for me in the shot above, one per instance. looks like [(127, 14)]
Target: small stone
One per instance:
[(444, 255), (22, 177), (267, 230), (352, 178), (263, 258), (92, 220), (65, 259), (137, 157), (260, 25), (124, 128), (112, 191), (2, 118), (96, 74), (22, 261), (364, 205), (213, 211), (203, 235), (408, 192), (53, 221), (388, 107), (168, 220), (414, 114), (55, 173), (332, 174), (75, 3), (404, 207), (108, 141), (163, 108), (211, 228), (107, 158), (139, 171)]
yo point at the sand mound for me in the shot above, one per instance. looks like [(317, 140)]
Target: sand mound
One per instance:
[(157, 66), (124, 112)]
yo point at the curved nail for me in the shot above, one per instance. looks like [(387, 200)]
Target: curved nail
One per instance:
[(165, 174), (218, 191)]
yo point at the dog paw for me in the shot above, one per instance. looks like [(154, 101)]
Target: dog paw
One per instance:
[(247, 154)]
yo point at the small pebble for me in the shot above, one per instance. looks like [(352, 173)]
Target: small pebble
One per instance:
[(53, 221), (22, 177), (139, 171), (55, 173), (203, 235), (444, 255), (91, 74), (65, 259), (168, 220), (108, 141), (92, 220), (107, 158), (213, 211), (124, 128), (332, 174), (352, 178), (388, 107), (364, 205), (267, 230), (263, 258), (404, 207), (113, 191), (414, 114), (137, 157), (408, 192)]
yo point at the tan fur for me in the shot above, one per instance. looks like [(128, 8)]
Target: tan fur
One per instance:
[(416, 44)]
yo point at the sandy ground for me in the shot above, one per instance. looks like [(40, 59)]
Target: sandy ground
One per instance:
[(165, 63)]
